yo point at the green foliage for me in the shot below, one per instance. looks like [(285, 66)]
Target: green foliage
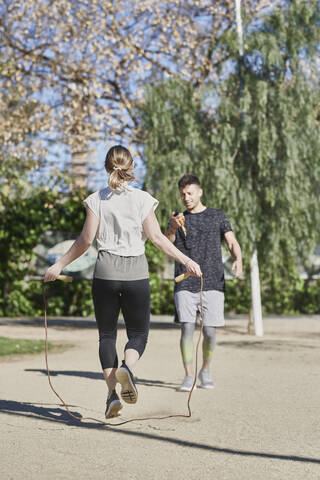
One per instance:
[(22, 223), (268, 137), (177, 135), (280, 295), (21, 226), (289, 294), (238, 296), (282, 290), (258, 156), (161, 301)]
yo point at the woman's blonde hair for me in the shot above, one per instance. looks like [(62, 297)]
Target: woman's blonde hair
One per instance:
[(119, 164)]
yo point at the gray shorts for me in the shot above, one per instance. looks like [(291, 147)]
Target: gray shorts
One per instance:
[(188, 305)]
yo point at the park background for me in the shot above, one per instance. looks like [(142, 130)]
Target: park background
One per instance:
[(229, 94), (228, 89)]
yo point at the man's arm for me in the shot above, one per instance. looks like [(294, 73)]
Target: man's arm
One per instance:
[(173, 227), (235, 251)]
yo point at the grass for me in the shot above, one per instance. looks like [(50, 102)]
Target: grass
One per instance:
[(14, 346)]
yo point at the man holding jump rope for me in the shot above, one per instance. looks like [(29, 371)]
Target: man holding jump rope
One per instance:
[(198, 233)]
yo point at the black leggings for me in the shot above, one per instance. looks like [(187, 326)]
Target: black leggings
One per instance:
[(133, 298)]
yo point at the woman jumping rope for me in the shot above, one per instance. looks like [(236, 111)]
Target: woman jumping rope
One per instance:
[(121, 218)]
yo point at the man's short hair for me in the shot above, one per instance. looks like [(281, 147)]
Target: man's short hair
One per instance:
[(188, 179)]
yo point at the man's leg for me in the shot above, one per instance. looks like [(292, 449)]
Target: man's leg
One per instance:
[(208, 344), (186, 346), (213, 306), (186, 306), (209, 341)]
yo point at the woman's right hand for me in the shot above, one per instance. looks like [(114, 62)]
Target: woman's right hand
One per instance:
[(193, 268), (52, 273)]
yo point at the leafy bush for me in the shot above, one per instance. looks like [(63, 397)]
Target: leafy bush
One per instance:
[(23, 222)]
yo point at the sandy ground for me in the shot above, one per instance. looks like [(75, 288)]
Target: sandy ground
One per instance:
[(261, 421)]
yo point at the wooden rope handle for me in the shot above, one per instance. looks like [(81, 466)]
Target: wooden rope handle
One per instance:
[(181, 277), (64, 278)]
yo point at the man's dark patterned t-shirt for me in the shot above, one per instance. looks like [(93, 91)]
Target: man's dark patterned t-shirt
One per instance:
[(202, 243)]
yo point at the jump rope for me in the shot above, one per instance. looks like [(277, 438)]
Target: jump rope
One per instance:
[(66, 278)]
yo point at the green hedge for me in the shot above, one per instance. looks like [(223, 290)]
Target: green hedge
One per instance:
[(22, 224)]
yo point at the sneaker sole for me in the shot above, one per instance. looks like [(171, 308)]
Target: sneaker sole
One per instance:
[(129, 393), (206, 387), (114, 409), (179, 389)]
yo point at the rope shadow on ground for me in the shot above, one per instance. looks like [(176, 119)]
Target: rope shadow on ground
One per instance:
[(60, 416)]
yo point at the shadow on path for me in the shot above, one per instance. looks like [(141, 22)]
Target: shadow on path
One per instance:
[(156, 383), (99, 376), (78, 322), (71, 373), (58, 415), (266, 344), (50, 414)]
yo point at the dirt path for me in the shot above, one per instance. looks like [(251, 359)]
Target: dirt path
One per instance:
[(260, 422)]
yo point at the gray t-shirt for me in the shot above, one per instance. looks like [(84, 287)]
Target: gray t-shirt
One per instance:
[(120, 236), (202, 243), (121, 214)]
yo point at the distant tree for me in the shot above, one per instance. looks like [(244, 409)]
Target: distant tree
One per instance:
[(89, 61), (258, 156), (178, 140), (22, 119), (267, 140)]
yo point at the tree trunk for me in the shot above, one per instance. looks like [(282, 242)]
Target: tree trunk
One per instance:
[(79, 168), (255, 295), (250, 328)]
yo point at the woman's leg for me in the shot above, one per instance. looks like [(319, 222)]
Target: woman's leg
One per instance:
[(135, 306), (106, 300)]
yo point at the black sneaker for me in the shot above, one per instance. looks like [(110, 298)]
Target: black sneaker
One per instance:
[(113, 405), (129, 392)]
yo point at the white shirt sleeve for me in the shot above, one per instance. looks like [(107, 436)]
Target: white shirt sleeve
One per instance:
[(93, 202), (148, 203)]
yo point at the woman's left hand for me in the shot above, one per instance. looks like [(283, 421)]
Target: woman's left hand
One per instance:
[(52, 273)]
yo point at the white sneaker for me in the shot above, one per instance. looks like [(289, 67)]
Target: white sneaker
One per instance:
[(187, 383), (205, 379)]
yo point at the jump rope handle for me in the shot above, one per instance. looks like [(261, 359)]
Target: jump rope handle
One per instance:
[(64, 278), (181, 223), (181, 277)]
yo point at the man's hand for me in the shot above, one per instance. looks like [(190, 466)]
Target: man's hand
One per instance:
[(177, 220), (237, 266)]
